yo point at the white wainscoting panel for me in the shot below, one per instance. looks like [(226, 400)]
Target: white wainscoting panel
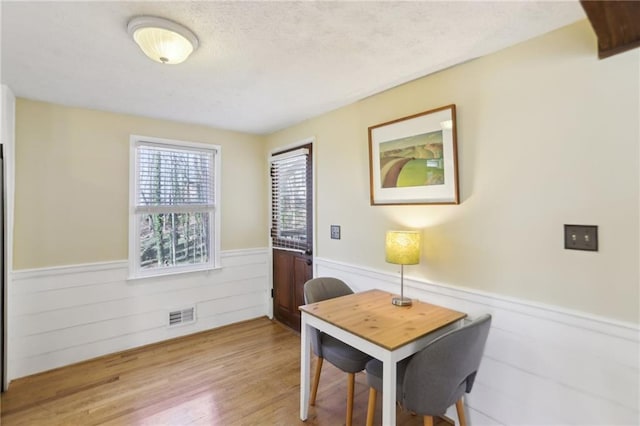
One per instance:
[(543, 365), (62, 315)]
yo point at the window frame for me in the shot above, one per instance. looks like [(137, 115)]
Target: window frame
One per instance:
[(135, 271)]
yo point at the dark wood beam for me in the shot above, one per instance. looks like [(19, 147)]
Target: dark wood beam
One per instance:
[(616, 24)]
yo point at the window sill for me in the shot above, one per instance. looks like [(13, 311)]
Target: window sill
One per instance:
[(206, 270)]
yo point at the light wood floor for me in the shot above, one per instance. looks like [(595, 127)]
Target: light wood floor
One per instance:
[(242, 374)]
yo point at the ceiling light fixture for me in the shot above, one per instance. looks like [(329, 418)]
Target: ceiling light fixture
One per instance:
[(162, 40)]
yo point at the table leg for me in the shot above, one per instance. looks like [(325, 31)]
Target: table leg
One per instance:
[(305, 367), (388, 391)]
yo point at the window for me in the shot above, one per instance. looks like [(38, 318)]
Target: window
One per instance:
[(174, 211), (290, 185)]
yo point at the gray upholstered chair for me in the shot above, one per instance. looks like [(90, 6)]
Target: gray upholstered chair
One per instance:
[(436, 377), (343, 356)]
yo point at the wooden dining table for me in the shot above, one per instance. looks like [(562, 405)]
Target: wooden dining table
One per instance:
[(369, 322)]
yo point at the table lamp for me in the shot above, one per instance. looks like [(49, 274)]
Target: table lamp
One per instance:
[(402, 248)]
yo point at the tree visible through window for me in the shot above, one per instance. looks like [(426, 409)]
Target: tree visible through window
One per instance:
[(174, 208)]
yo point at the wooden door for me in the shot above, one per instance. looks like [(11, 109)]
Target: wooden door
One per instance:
[(291, 231), (290, 271)]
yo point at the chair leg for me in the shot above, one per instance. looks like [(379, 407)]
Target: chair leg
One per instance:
[(371, 408), (460, 409), (316, 381), (351, 383), (428, 421)]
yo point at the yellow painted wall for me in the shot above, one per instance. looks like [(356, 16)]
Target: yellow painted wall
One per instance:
[(548, 135), (72, 183)]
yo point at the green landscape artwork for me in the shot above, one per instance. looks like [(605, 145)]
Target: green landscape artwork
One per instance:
[(412, 161)]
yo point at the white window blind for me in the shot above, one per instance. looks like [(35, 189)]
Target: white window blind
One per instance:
[(174, 207), (174, 177), (290, 174)]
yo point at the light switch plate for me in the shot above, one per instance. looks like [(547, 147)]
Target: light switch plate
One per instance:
[(581, 237), (335, 232)]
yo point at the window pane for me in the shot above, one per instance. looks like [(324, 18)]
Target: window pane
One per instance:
[(291, 183), (292, 202), (174, 177), (174, 239)]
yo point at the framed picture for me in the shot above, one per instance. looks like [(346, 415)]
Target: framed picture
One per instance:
[(414, 160)]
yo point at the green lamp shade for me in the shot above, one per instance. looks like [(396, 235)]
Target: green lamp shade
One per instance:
[(403, 247)]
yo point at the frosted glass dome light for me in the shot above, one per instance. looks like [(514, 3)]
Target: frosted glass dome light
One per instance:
[(162, 40)]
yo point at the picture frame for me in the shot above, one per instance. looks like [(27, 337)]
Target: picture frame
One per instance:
[(414, 159)]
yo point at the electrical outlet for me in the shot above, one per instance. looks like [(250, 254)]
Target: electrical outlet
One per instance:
[(581, 237), (335, 232)]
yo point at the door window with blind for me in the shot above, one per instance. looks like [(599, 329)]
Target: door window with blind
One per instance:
[(291, 206), (174, 219)]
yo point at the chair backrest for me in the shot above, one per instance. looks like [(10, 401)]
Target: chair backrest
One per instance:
[(438, 375), (323, 288), (317, 290)]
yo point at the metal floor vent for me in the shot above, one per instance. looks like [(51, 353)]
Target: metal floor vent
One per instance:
[(182, 316)]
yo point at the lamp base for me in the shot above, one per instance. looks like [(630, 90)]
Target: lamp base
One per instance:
[(401, 301)]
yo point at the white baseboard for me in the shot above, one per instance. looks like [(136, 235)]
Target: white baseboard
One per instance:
[(543, 365), (62, 315)]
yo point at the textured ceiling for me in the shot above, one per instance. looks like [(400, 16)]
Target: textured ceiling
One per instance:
[(261, 66)]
